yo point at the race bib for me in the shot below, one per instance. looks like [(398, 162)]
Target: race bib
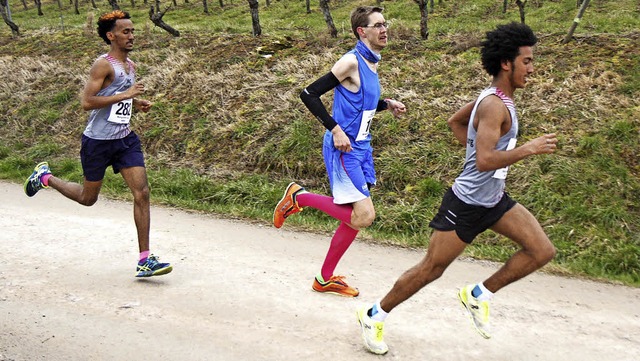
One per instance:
[(121, 111), (502, 172), (365, 124)]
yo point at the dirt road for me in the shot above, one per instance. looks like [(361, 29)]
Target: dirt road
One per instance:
[(242, 291)]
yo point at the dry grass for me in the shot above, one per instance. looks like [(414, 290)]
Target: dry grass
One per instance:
[(227, 113)]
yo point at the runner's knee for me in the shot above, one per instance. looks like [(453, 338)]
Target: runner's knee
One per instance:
[(548, 254), (141, 195), (88, 201), (544, 254), (363, 219)]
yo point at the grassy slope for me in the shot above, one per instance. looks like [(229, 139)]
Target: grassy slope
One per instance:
[(228, 131)]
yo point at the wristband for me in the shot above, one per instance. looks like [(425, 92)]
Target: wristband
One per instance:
[(382, 105)]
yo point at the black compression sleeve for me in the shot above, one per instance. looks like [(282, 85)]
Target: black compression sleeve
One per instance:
[(382, 105), (311, 98)]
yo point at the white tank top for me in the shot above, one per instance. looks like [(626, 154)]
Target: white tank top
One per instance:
[(485, 188), (112, 122)]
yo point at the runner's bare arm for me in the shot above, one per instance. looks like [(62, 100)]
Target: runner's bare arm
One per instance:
[(346, 71), (459, 122), (100, 76), (491, 116)]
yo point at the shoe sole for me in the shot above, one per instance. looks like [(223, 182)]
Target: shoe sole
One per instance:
[(336, 293), (364, 339), (160, 272), (286, 191), (470, 315)]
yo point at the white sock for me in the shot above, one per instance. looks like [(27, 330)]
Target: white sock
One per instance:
[(377, 313), (486, 295)]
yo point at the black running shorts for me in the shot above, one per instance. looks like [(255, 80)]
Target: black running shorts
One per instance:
[(468, 220)]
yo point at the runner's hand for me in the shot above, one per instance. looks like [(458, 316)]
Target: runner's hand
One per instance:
[(397, 108), (142, 105), (340, 139), (545, 144), (135, 90)]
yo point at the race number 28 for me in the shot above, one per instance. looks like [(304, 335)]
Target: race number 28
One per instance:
[(121, 111)]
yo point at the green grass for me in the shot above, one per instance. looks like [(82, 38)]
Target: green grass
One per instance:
[(228, 132), (288, 17)]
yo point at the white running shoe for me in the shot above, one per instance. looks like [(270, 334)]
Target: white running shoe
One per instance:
[(478, 310), (372, 332)]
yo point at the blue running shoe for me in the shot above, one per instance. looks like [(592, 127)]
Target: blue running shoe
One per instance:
[(151, 267), (34, 183)]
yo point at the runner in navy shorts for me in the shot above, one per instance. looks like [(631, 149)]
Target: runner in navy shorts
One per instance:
[(111, 95), (96, 155)]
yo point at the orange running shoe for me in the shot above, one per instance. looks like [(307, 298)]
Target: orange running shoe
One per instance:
[(335, 285), (287, 205)]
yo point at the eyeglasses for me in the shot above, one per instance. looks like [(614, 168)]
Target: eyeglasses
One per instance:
[(378, 26)]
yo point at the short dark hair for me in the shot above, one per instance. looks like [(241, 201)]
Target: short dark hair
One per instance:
[(503, 44), (106, 22), (360, 17)]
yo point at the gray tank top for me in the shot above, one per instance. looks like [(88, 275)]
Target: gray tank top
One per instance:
[(485, 188), (100, 125)]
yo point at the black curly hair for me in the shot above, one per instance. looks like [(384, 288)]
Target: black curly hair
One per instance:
[(107, 22), (504, 43)]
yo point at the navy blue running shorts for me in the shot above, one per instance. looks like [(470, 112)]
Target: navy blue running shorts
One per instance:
[(96, 155), (468, 220)]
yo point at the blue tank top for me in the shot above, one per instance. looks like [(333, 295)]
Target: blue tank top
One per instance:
[(485, 188), (354, 111), (103, 124)]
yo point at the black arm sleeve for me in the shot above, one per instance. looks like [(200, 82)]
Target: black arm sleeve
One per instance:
[(311, 98), (382, 105)]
